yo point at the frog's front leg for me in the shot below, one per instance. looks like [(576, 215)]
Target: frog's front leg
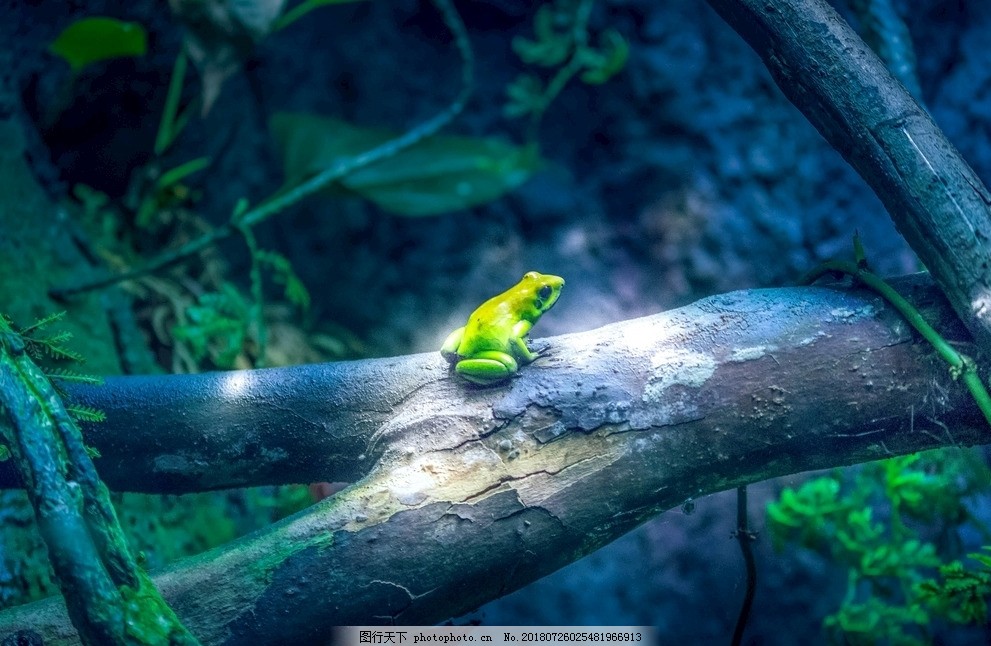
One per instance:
[(486, 368), (518, 341), (451, 344)]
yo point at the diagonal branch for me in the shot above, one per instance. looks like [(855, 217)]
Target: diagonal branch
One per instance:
[(935, 199), (469, 493)]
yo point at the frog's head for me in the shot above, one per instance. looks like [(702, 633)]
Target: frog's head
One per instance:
[(542, 291)]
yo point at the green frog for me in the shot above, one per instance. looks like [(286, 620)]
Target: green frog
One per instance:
[(492, 345)]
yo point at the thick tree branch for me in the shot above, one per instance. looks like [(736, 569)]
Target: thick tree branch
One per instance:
[(935, 199), (185, 433), (471, 493)]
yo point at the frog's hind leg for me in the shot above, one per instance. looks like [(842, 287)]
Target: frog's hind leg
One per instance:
[(487, 367), (451, 344)]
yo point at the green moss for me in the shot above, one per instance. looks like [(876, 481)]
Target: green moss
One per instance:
[(144, 619)]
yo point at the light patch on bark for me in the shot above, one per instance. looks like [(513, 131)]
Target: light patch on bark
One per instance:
[(852, 313), (677, 367), (749, 354)]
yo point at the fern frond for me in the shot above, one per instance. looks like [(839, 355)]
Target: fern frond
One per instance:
[(73, 376), (61, 352), (85, 413), (42, 323), (59, 338)]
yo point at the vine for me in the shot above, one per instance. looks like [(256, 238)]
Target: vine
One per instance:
[(962, 367)]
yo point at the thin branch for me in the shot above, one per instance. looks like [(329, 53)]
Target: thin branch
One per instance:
[(745, 537), (961, 365)]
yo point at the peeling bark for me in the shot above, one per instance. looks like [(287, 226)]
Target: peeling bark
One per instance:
[(471, 493)]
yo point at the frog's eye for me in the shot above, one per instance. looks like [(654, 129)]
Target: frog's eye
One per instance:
[(545, 292)]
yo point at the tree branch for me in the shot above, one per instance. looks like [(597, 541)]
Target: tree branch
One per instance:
[(935, 199), (334, 421), (471, 493)]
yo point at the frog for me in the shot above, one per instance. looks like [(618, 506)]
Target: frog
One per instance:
[(490, 348)]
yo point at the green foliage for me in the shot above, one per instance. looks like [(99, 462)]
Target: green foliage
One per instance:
[(50, 345), (217, 326), (62, 374), (43, 346), (95, 39), (166, 191), (437, 175), (875, 523), (86, 414), (876, 621), (302, 9), (283, 274), (561, 43), (960, 595)]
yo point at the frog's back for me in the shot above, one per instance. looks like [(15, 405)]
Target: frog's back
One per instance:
[(489, 327)]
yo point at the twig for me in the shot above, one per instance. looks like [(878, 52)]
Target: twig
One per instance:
[(745, 537)]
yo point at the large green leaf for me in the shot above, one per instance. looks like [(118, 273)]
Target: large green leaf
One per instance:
[(95, 39), (438, 175)]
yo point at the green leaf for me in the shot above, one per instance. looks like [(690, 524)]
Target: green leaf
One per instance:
[(216, 326), (181, 171), (172, 123), (42, 323), (96, 39), (605, 64), (983, 559), (525, 96), (439, 175), (551, 47), (301, 10), (779, 514)]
